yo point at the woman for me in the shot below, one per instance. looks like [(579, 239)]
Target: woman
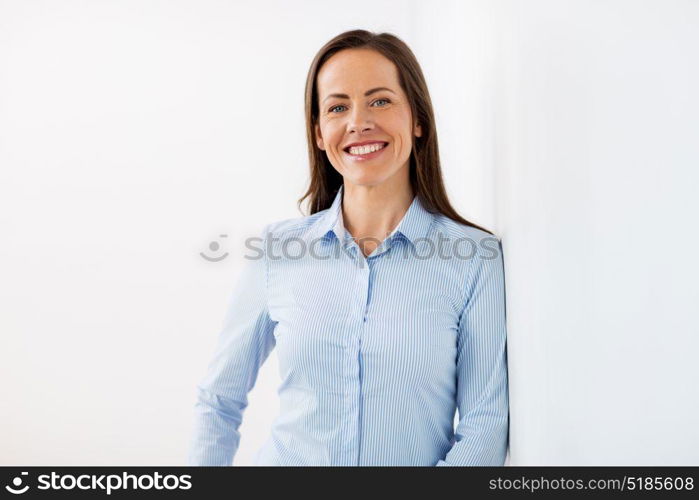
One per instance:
[(387, 308)]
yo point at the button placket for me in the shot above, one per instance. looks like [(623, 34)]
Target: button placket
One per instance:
[(354, 362), (364, 279)]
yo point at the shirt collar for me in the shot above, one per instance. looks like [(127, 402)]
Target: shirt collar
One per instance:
[(413, 226)]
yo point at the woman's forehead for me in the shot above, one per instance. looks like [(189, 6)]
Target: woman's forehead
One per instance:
[(356, 70)]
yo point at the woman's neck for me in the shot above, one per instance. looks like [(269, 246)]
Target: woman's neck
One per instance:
[(371, 213)]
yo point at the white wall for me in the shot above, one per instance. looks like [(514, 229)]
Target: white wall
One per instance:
[(134, 133), (596, 175)]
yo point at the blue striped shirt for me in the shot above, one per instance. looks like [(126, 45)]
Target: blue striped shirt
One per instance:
[(376, 354)]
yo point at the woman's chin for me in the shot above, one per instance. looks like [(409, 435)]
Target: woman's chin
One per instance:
[(367, 173)]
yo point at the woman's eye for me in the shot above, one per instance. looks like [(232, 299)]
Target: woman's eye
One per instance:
[(341, 106)]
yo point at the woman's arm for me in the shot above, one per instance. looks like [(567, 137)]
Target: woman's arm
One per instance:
[(243, 345), (481, 436)]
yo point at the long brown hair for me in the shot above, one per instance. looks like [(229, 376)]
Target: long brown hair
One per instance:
[(425, 170)]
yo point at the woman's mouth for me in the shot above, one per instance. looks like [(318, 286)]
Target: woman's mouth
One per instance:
[(361, 153)]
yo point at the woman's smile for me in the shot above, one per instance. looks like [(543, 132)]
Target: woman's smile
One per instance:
[(365, 151)]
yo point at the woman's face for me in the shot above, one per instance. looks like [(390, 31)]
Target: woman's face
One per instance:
[(361, 102)]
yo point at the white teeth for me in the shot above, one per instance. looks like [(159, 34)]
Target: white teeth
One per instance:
[(362, 150)]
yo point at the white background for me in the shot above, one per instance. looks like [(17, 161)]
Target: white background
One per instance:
[(134, 133)]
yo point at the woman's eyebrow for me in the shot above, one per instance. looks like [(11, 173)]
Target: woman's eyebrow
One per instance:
[(367, 93)]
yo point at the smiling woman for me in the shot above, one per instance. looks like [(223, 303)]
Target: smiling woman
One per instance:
[(379, 346)]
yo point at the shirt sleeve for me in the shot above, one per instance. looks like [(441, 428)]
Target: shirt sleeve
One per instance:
[(244, 343), (482, 433)]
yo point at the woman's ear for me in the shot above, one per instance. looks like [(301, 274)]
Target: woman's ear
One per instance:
[(418, 131), (319, 138)]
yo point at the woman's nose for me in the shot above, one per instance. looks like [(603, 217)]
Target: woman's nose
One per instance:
[(360, 120)]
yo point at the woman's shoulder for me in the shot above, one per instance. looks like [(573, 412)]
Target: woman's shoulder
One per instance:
[(455, 230), (470, 245), (293, 226)]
